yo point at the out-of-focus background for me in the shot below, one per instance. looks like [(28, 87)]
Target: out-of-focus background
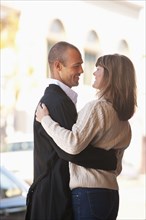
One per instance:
[(28, 30)]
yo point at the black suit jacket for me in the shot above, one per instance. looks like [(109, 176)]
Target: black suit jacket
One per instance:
[(49, 197)]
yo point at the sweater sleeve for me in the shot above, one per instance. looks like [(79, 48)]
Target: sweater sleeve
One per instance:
[(89, 124)]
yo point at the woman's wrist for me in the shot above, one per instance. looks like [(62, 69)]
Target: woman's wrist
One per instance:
[(44, 118)]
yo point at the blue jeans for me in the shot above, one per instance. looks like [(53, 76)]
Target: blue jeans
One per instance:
[(95, 204)]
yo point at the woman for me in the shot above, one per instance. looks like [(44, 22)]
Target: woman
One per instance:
[(102, 122)]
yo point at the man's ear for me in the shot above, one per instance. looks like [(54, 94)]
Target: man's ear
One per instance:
[(58, 65)]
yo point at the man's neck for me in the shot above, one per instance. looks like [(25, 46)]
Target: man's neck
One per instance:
[(70, 92)]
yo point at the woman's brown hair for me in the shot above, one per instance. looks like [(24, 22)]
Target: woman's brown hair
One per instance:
[(120, 88)]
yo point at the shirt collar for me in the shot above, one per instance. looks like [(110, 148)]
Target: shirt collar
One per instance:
[(69, 92)]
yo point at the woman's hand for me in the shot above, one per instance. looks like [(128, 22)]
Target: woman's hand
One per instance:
[(41, 112)]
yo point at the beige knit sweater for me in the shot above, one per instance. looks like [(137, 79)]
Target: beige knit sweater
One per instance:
[(99, 125)]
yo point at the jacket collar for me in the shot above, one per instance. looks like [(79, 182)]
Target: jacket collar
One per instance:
[(69, 92)]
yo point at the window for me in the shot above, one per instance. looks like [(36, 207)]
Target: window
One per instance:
[(90, 59), (123, 47), (56, 33), (91, 51)]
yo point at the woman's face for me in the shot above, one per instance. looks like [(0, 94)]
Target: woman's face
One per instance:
[(99, 76)]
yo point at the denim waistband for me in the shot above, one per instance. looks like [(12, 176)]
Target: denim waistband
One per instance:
[(88, 189)]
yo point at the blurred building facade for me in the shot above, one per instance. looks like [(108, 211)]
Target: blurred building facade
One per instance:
[(30, 28)]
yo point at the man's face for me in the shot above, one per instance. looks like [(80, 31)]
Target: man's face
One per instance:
[(70, 72)]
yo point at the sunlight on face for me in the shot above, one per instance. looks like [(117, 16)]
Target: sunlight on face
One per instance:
[(99, 75), (71, 71)]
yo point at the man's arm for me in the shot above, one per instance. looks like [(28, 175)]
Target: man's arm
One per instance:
[(96, 158), (90, 157)]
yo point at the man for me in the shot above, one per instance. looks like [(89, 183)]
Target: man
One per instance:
[(49, 197)]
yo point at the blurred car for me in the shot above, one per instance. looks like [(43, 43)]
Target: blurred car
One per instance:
[(13, 192), (17, 157)]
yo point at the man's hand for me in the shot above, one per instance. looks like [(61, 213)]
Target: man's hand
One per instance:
[(41, 112)]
